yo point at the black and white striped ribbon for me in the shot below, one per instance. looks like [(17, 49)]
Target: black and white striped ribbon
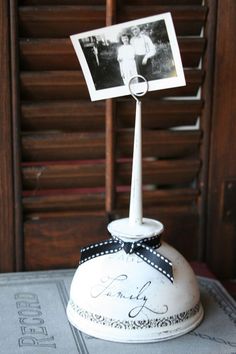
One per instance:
[(145, 249)]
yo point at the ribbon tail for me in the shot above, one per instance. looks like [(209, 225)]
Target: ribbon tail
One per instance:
[(99, 249), (157, 261)]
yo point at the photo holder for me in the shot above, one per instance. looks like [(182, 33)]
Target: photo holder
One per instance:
[(136, 204), (115, 66)]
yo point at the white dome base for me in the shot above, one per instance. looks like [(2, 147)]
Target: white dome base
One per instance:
[(119, 297)]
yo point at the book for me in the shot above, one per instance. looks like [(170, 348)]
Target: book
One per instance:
[(33, 320)]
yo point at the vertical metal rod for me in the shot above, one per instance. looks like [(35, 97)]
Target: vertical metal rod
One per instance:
[(136, 196), (136, 200)]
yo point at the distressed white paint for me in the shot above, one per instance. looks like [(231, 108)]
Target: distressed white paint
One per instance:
[(111, 294)]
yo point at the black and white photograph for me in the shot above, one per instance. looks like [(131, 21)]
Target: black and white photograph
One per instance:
[(111, 56)]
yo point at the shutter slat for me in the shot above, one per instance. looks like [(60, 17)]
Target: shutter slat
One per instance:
[(179, 13), (161, 172), (191, 50), (82, 202), (160, 144), (62, 21), (49, 147), (58, 85), (66, 115), (102, 2), (81, 146), (59, 21), (92, 175), (58, 54), (162, 2), (89, 116), (48, 54), (160, 198), (49, 85), (78, 202), (75, 175), (160, 114)]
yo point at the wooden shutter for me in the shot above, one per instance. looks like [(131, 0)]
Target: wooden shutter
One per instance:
[(76, 155)]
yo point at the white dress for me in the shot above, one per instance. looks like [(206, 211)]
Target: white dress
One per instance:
[(126, 58)]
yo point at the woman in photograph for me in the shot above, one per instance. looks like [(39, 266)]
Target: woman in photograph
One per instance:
[(126, 59)]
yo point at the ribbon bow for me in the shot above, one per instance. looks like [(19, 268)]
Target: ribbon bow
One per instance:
[(142, 248)]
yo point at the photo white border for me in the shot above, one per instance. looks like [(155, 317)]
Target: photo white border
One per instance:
[(123, 90)]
